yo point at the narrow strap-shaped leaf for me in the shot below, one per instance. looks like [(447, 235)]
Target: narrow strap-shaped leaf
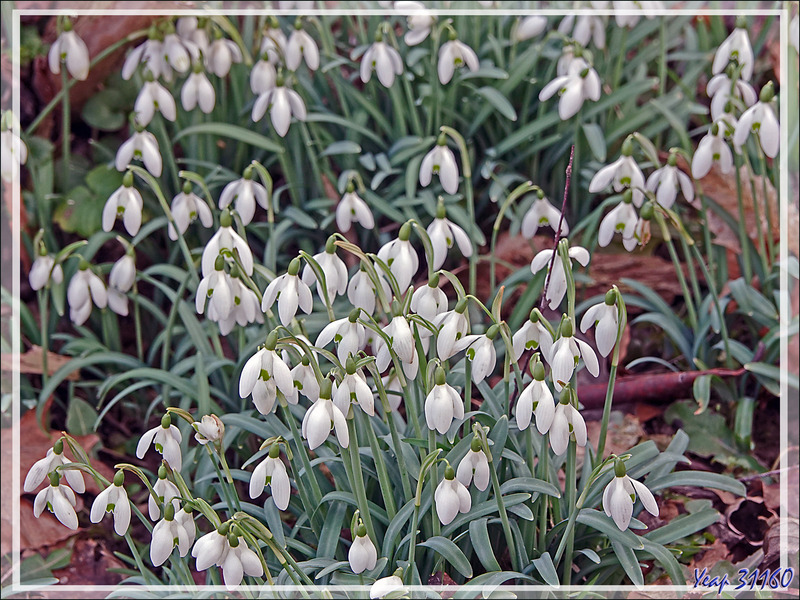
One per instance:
[(450, 552)]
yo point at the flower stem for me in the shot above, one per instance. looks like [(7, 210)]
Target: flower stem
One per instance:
[(44, 305), (65, 129), (569, 491), (137, 323), (744, 241), (383, 474), (544, 476), (690, 308), (434, 478), (357, 479), (501, 509), (310, 474)]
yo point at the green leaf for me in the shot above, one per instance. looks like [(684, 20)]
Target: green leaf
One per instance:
[(341, 147), (479, 535), (331, 530), (627, 559), (667, 560), (544, 565), (39, 567), (450, 552), (683, 526), (529, 484), (702, 392), (596, 138), (80, 416), (499, 101), (105, 110), (772, 372), (599, 521), (701, 479), (235, 132)]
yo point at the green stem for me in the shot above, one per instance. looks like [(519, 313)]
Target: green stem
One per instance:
[(570, 489), (166, 150), (389, 418), (744, 241), (383, 473), (137, 323), (433, 483), (65, 129), (357, 479), (692, 272), (412, 542), (722, 326), (310, 474), (543, 469), (231, 497), (612, 377), (135, 554), (44, 305), (690, 308), (501, 509)]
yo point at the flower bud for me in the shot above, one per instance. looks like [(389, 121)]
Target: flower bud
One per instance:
[(767, 93)]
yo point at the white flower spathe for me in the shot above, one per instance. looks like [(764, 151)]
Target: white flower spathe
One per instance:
[(618, 498), (226, 239), (453, 326), (557, 286), (262, 376), (167, 442), (623, 173), (443, 234), (113, 499), (320, 419), (536, 400), (384, 60), (198, 91), (442, 405), (221, 55), (142, 145), (736, 47), (541, 214), (59, 500), (529, 27), (43, 271), (442, 162), (453, 55), (167, 492), (283, 104), (621, 219), (263, 77), (245, 307), (712, 148), (13, 153), (474, 466), (564, 357), (126, 203), (335, 272), (275, 470), (566, 422), (245, 193), (481, 353), (429, 302), (402, 342), (451, 497), (70, 49), (350, 337), (180, 531), (301, 46), (186, 208), (605, 318), (361, 291), (305, 380), (362, 555), (291, 292), (666, 182), (581, 83), (84, 288), (352, 208), (531, 336), (354, 388), (120, 281), (586, 28), (235, 561), (721, 89), (759, 119), (154, 97), (43, 467), (419, 21), (385, 586), (402, 260)]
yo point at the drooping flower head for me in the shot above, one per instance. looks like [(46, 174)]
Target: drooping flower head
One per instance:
[(580, 83), (166, 438), (224, 243), (536, 400), (291, 292), (451, 497), (301, 46), (186, 208), (455, 54), (442, 162), (667, 181), (383, 59), (175, 529), (567, 422), (557, 278), (621, 219), (619, 496), (53, 459), (59, 500), (760, 119), (198, 91), (244, 193), (533, 335), (623, 173), (283, 104), (70, 50), (143, 146), (474, 466), (605, 318), (271, 471), (443, 404), (264, 374), (125, 203), (736, 48), (352, 209), (221, 55), (322, 417), (13, 151), (113, 499), (334, 270), (444, 233), (543, 214), (120, 281), (362, 555), (401, 258), (565, 353), (84, 288)]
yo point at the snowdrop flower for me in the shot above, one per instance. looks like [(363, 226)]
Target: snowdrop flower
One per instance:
[(221, 55), (384, 60), (84, 288), (623, 173), (151, 54), (557, 286), (402, 342), (43, 467), (564, 357), (361, 290), (529, 28), (536, 400), (735, 48), (333, 268), (759, 119), (120, 281), (166, 438), (264, 374), (442, 162), (349, 335), (291, 292), (721, 89), (626, 18), (392, 585), (712, 148), (245, 192), (178, 53), (451, 497), (542, 214), (142, 145), (586, 28), (153, 97), (283, 103), (13, 151), (301, 46), (59, 500), (622, 219), (274, 42), (362, 555), (619, 495), (216, 288), (271, 471), (263, 75), (480, 352), (175, 529), (419, 20), (209, 429), (245, 305), (125, 203), (230, 553), (394, 391), (224, 242), (567, 421), (186, 208), (579, 84), (429, 301), (475, 465), (443, 234), (191, 29), (666, 182), (605, 318), (322, 417), (352, 208), (70, 50), (167, 493), (305, 380), (198, 91), (44, 270), (453, 326), (443, 404), (532, 336), (453, 55), (113, 499), (354, 388), (401, 258)]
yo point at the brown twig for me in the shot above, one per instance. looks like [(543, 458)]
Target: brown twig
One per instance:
[(557, 235)]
